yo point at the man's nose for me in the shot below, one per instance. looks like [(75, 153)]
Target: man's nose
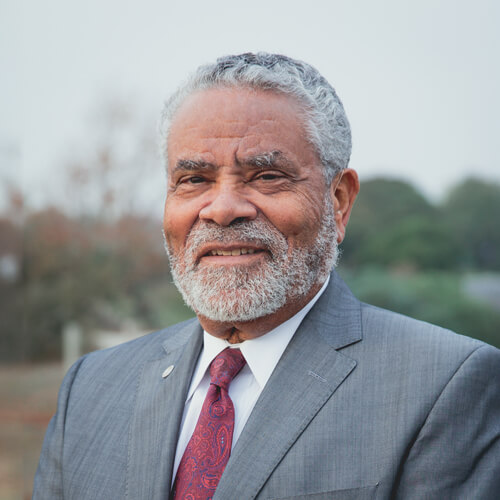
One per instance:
[(228, 206)]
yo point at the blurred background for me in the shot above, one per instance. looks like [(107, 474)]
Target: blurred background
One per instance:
[(82, 264)]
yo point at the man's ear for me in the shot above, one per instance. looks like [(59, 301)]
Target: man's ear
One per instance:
[(344, 189)]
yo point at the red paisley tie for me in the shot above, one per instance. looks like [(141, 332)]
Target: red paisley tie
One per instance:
[(209, 448)]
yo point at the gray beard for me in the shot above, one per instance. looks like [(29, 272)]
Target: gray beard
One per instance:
[(245, 293)]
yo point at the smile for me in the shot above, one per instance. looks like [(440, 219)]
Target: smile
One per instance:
[(235, 251)]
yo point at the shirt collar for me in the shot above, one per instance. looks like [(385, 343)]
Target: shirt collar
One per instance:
[(261, 354)]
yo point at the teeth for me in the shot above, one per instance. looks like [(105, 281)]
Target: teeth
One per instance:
[(236, 251)]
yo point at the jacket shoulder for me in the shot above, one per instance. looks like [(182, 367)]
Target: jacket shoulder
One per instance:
[(135, 352), (395, 327), (411, 349)]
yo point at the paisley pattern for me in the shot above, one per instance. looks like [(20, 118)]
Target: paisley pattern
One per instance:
[(209, 448)]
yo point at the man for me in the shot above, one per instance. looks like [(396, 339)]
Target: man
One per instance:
[(318, 396)]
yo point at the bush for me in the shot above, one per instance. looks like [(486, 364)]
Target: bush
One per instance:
[(437, 298)]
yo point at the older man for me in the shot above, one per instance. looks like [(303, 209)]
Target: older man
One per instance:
[(285, 386)]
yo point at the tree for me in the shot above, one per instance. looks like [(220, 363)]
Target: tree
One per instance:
[(472, 212), (93, 254), (392, 223), (418, 242)]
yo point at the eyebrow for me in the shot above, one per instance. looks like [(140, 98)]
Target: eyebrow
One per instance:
[(271, 159), (262, 160), (192, 165)]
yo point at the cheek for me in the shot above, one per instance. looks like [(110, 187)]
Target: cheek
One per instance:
[(177, 222), (298, 223), (298, 217)]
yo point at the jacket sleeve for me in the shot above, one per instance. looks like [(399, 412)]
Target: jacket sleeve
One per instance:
[(48, 482), (457, 452)]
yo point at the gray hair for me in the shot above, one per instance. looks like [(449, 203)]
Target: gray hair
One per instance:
[(326, 124)]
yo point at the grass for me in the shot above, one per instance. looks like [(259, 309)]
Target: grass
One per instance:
[(28, 397)]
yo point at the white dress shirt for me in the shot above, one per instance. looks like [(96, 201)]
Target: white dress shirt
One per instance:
[(261, 354)]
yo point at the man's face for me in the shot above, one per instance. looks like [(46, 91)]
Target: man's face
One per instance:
[(248, 220)]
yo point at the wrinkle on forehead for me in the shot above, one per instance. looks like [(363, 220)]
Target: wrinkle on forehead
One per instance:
[(226, 130), (223, 102), (214, 127)]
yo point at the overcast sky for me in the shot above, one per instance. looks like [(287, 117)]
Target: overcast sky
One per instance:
[(420, 81)]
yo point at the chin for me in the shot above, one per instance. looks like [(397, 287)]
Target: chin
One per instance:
[(235, 307)]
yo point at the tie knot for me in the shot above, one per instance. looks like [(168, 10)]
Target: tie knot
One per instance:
[(225, 367)]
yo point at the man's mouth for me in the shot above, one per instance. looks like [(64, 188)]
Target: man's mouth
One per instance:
[(234, 251), (229, 253)]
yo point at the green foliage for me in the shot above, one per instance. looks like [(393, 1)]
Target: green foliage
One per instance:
[(437, 298), (472, 212), (393, 225), (166, 306), (393, 201), (394, 229), (379, 221), (417, 242)]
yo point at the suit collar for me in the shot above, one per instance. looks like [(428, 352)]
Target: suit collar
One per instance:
[(182, 337), (158, 414), (337, 315), (307, 376)]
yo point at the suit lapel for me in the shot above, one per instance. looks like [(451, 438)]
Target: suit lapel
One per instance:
[(305, 378), (157, 415)]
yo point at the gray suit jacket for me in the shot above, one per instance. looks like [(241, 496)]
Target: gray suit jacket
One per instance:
[(364, 404)]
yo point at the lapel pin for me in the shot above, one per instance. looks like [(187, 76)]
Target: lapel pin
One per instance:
[(168, 371)]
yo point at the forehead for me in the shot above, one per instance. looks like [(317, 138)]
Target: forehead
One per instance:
[(242, 119)]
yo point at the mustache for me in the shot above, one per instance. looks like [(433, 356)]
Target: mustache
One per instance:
[(257, 232)]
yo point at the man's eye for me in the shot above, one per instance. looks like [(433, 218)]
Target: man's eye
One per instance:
[(269, 176), (195, 179)]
